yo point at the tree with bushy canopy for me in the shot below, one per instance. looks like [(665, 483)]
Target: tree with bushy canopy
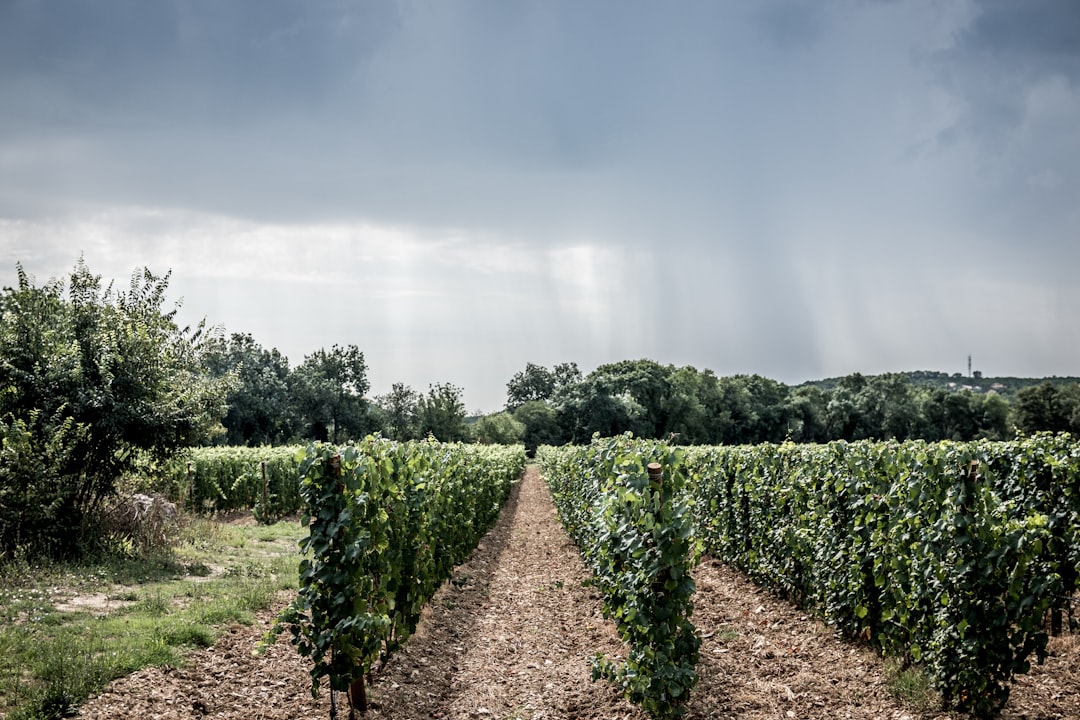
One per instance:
[(441, 413), (399, 412), (540, 425), (327, 392), (499, 428), (260, 407), (91, 381), (1049, 407)]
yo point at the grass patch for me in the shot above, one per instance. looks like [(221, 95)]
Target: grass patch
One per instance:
[(198, 569), (726, 636), (158, 609), (911, 686)]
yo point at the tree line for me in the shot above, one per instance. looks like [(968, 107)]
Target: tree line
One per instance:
[(98, 382), (694, 406), (322, 398)]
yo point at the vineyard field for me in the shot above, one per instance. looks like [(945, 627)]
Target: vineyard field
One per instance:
[(387, 522), (946, 555)]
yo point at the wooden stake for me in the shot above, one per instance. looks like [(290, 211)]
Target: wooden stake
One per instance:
[(358, 695), (265, 490), (656, 478)]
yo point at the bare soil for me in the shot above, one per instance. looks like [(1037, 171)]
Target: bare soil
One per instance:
[(512, 634)]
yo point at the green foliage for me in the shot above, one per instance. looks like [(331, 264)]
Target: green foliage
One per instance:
[(441, 413), (327, 392), (947, 554), (399, 410), (499, 429), (265, 480), (566, 374), (35, 500), (1048, 407), (594, 406), (540, 425), (911, 686), (534, 383), (693, 407), (633, 523), (260, 410), (387, 522), (91, 381), (538, 384)]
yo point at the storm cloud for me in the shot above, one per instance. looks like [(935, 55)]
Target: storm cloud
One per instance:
[(798, 190)]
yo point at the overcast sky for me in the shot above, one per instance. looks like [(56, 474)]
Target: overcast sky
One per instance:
[(458, 187)]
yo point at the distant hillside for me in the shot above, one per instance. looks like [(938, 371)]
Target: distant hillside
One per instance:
[(1004, 386)]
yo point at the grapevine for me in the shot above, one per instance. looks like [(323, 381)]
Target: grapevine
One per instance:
[(387, 522), (623, 503)]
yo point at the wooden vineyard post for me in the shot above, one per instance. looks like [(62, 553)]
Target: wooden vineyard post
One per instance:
[(265, 491), (656, 477), (191, 486), (358, 696), (334, 463)]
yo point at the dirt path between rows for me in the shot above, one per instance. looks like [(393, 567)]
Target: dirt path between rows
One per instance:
[(512, 634)]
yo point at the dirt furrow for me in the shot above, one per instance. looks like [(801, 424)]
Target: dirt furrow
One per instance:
[(511, 636)]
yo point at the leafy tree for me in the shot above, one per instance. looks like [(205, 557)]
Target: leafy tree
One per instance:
[(769, 398), (1070, 396), (960, 417), (850, 412), (1055, 408), (535, 382), (327, 392), (88, 383), (259, 412), (887, 406), (711, 393), (498, 429), (566, 374), (400, 410), (992, 417), (688, 415), (753, 409), (540, 425), (442, 413), (950, 415), (592, 406), (649, 384), (806, 413)]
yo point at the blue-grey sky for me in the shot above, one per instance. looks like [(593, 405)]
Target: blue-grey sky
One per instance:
[(458, 187)]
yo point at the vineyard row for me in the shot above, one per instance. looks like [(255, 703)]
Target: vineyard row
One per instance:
[(948, 555), (387, 522)]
